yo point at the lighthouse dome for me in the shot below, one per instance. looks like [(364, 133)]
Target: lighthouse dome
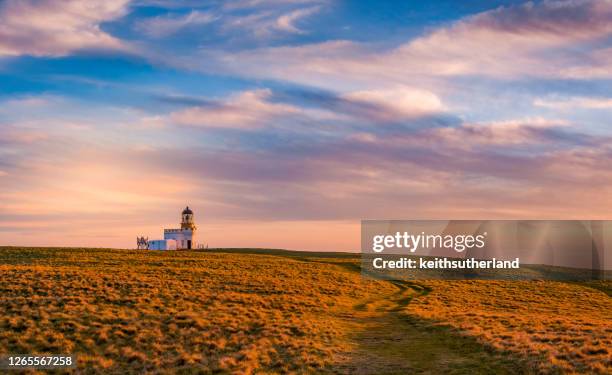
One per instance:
[(187, 211)]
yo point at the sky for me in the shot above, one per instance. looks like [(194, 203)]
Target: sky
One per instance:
[(285, 123)]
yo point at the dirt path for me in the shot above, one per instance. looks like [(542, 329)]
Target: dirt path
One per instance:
[(387, 339)]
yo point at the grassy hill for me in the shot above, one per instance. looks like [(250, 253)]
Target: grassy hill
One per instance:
[(276, 311)]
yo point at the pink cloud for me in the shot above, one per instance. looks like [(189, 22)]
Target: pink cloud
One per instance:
[(250, 109), (287, 22), (574, 102), (246, 110), (57, 27), (513, 132), (307, 194), (529, 40), (399, 102), (166, 25), (16, 135)]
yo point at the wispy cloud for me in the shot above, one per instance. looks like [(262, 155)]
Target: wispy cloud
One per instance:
[(255, 109), (162, 26), (529, 40), (287, 22), (399, 102), (574, 102), (247, 110), (519, 167), (259, 4), (56, 27), (237, 20), (268, 23)]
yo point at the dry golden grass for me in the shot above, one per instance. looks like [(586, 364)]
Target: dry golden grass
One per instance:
[(208, 312), (563, 327), (135, 311)]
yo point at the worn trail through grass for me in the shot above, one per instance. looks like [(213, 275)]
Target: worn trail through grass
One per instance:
[(389, 340)]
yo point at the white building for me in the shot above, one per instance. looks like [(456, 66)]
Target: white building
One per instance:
[(178, 239), (162, 245)]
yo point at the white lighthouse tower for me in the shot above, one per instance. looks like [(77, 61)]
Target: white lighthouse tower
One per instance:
[(185, 236), (177, 239)]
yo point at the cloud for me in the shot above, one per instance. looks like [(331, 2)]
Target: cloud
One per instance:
[(520, 40), (286, 22), (232, 22), (372, 132), (57, 27), (574, 102), (400, 101), (311, 110), (549, 21), (247, 110), (530, 40), (513, 132), (597, 64), (12, 134), (511, 165), (162, 26), (93, 183), (250, 4), (266, 23)]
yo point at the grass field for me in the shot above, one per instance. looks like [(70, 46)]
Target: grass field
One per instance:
[(272, 311)]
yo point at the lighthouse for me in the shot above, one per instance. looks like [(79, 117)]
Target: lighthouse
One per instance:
[(183, 238), (187, 220)]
